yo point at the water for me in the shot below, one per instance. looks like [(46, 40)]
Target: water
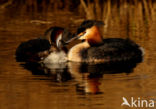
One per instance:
[(68, 86)]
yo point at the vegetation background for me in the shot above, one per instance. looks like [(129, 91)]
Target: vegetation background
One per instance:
[(130, 17)]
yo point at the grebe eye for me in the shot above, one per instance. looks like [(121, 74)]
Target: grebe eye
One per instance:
[(84, 32), (82, 40)]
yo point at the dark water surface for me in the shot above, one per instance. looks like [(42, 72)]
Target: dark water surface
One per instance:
[(71, 85)]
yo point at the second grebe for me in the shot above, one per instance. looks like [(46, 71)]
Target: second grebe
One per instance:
[(96, 49), (48, 49)]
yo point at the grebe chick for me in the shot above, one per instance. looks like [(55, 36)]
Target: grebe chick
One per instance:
[(96, 49), (48, 49)]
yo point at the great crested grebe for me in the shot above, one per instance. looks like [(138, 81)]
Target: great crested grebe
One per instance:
[(48, 49), (96, 49)]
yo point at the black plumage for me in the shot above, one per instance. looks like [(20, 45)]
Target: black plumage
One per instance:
[(114, 50), (87, 24), (31, 49)]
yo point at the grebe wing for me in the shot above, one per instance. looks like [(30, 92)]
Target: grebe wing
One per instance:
[(115, 49), (30, 49)]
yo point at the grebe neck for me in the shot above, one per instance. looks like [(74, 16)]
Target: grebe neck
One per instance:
[(93, 36)]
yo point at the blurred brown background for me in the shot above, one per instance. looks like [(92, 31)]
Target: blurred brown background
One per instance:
[(131, 17)]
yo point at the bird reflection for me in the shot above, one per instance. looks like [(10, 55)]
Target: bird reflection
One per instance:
[(56, 72), (88, 75), (88, 86)]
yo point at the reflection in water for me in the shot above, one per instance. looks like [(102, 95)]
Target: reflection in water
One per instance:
[(87, 75), (57, 72)]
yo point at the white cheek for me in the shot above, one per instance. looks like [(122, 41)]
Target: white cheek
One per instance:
[(87, 33), (58, 40), (82, 37)]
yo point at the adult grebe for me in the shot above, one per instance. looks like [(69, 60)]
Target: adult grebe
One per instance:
[(48, 49), (96, 49)]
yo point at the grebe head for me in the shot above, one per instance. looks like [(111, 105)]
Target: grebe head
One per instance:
[(89, 31), (58, 36)]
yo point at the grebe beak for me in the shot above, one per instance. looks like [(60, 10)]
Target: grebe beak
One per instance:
[(77, 36), (74, 37), (67, 37)]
